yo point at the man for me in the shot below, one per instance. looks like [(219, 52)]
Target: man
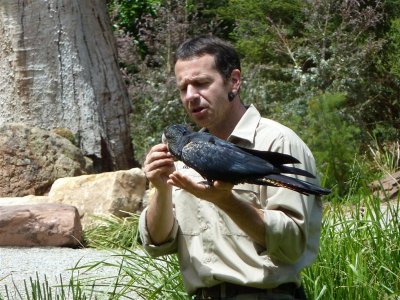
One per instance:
[(233, 242)]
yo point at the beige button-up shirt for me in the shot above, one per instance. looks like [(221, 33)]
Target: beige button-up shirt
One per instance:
[(213, 249)]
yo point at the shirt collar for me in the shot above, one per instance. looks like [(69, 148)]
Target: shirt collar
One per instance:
[(246, 128)]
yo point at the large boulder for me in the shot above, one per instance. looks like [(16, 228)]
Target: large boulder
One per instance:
[(31, 159), (40, 225), (116, 193)]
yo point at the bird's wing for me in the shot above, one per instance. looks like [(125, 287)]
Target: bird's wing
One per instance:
[(274, 157), (216, 162), (271, 158)]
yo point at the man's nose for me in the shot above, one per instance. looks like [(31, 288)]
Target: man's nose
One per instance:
[(191, 93)]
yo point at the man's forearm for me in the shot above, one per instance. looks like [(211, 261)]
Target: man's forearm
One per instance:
[(159, 216)]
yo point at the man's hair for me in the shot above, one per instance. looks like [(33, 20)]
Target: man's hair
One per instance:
[(225, 56)]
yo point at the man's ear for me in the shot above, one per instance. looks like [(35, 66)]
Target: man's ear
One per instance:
[(235, 80)]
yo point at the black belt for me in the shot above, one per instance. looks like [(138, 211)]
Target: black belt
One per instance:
[(231, 290)]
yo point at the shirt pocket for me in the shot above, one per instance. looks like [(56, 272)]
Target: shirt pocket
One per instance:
[(186, 212)]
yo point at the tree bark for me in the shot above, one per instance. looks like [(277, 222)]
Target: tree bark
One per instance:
[(59, 68)]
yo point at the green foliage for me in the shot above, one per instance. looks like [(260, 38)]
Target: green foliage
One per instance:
[(143, 277), (331, 50), (330, 46), (204, 18), (128, 16), (252, 32), (359, 252), (128, 13), (334, 140), (394, 45), (110, 231), (40, 289), (137, 274)]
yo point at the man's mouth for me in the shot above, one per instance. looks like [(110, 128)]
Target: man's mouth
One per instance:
[(198, 110)]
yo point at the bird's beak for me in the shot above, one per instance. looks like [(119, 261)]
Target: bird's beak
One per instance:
[(164, 139)]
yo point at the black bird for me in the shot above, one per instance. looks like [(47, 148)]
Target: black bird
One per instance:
[(217, 159)]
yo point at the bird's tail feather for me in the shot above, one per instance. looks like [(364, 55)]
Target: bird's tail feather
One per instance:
[(294, 184), (295, 171)]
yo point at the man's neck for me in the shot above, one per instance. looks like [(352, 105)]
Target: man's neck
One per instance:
[(224, 130)]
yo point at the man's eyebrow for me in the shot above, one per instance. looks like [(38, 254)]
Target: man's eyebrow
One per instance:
[(199, 77)]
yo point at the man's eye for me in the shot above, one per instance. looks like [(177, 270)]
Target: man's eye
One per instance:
[(202, 84)]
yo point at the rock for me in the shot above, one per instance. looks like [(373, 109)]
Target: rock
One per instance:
[(387, 188), (115, 193), (26, 200), (31, 159), (40, 225)]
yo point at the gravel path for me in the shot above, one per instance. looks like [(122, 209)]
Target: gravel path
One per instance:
[(18, 264)]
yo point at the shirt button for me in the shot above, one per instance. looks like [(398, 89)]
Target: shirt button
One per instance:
[(207, 260), (204, 227)]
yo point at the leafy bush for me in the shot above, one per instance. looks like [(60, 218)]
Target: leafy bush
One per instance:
[(127, 16), (334, 140)]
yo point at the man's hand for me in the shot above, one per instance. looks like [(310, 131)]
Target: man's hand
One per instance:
[(217, 193), (158, 165)]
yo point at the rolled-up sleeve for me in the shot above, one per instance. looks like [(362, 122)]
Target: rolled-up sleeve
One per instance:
[(289, 215), (286, 227), (169, 247)]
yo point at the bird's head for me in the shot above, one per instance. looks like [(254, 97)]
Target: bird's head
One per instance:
[(173, 138)]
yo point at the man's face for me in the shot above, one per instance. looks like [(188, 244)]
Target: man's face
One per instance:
[(203, 91)]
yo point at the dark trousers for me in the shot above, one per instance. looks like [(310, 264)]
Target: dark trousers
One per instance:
[(227, 291)]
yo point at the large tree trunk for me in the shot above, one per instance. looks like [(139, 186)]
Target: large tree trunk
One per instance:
[(58, 68)]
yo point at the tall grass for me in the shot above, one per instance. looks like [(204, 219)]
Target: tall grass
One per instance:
[(112, 232), (359, 254), (141, 277), (40, 289)]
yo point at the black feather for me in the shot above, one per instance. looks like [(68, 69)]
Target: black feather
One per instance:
[(217, 159)]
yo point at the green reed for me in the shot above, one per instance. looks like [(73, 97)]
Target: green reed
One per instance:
[(359, 254)]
